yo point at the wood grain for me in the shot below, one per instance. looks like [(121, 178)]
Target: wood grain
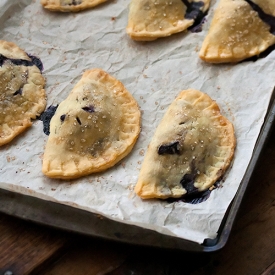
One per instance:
[(88, 256), (25, 246)]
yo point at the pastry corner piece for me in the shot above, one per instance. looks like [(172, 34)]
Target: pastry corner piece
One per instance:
[(152, 19), (22, 94), (70, 5), (239, 30), (93, 128), (190, 150)]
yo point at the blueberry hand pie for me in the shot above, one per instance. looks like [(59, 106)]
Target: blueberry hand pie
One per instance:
[(93, 128), (151, 19), (70, 5), (22, 94), (190, 150), (240, 29)]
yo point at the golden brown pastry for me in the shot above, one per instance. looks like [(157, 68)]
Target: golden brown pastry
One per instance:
[(190, 150), (70, 5), (95, 127), (236, 33), (22, 94), (151, 19)]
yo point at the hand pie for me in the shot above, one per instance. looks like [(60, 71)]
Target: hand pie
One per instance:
[(70, 5), (190, 150), (22, 96), (151, 19), (95, 127), (236, 33)]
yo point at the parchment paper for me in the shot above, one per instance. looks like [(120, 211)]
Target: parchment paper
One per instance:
[(154, 72)]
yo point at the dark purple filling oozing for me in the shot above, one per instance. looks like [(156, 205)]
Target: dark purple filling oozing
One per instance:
[(74, 3), (78, 120), (192, 196), (267, 18), (188, 181), (18, 92), (194, 11), (198, 27), (35, 61), (170, 149), (89, 109), (195, 197), (62, 118), (46, 117)]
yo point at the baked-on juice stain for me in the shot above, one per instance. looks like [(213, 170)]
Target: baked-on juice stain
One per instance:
[(46, 117), (35, 61), (194, 11)]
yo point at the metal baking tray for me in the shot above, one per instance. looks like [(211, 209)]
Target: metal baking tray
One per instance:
[(76, 220)]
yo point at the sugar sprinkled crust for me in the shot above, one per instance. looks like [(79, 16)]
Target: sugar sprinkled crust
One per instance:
[(22, 97), (95, 127), (236, 33), (70, 5), (190, 150), (151, 19)]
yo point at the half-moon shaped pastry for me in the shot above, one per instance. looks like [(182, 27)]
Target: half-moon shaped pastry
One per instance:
[(94, 128), (151, 19), (190, 150), (22, 94), (70, 5), (236, 33)]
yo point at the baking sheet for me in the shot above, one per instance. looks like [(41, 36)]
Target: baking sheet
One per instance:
[(154, 73)]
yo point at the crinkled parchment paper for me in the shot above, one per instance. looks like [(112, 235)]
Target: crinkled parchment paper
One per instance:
[(154, 72)]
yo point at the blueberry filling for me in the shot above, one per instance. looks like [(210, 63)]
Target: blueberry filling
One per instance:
[(37, 62), (78, 120), (18, 92), (46, 117), (194, 11), (34, 61), (188, 181), (197, 27), (73, 3), (2, 59), (195, 197), (62, 118), (267, 18), (170, 149), (89, 109)]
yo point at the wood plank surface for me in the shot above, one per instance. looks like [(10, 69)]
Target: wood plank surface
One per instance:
[(88, 256), (25, 246)]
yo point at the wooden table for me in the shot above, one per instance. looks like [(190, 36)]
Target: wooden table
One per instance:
[(28, 248)]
